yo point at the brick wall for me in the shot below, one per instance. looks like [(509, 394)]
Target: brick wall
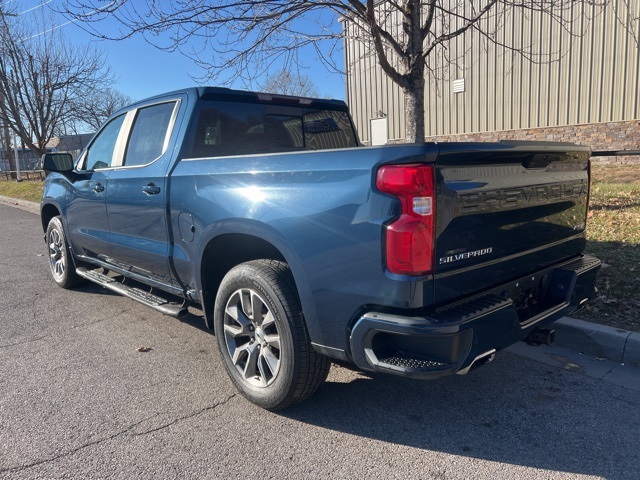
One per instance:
[(598, 136)]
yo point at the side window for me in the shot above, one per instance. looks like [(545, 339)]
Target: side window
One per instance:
[(100, 153), (148, 134)]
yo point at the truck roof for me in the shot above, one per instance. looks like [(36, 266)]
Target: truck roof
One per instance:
[(228, 94)]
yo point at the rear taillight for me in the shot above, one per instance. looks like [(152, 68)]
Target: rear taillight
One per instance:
[(410, 238)]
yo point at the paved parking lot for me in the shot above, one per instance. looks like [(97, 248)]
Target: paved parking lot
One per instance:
[(77, 400)]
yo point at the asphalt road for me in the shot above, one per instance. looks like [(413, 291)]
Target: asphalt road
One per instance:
[(77, 400)]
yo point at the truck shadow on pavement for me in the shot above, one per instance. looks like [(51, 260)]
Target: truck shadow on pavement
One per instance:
[(514, 411)]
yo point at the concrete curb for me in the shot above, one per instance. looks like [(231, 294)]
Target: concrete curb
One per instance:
[(588, 338), (26, 205), (599, 341)]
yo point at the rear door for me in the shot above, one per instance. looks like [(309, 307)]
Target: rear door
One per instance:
[(505, 210), (137, 193)]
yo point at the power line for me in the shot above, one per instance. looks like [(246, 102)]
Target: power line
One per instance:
[(49, 30), (34, 8), (74, 20)]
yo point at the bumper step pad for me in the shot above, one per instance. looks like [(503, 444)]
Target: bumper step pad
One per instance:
[(461, 312), (407, 362)]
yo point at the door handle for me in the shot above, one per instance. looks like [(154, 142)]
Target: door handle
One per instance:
[(151, 189), (98, 188)]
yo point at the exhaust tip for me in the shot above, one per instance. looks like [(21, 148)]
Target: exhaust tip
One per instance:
[(541, 336), (482, 359)]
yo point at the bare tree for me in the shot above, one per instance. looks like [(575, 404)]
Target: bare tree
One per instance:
[(91, 111), (242, 38), (629, 17), (289, 83), (41, 76)]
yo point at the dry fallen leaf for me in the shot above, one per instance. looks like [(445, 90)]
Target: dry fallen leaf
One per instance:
[(144, 349)]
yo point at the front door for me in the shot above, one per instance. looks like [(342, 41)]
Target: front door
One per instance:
[(88, 225)]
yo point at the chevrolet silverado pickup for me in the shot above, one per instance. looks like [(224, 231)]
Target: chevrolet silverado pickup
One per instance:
[(301, 246)]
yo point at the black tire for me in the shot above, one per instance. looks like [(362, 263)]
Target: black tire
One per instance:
[(60, 260), (269, 356)]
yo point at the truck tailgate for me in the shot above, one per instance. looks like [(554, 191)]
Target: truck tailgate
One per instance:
[(504, 210)]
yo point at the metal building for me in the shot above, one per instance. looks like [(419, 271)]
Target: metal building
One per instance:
[(593, 79)]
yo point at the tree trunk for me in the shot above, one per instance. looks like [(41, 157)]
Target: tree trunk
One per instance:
[(9, 150), (414, 73), (6, 137), (414, 111)]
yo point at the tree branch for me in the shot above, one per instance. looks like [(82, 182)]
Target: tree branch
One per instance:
[(470, 22)]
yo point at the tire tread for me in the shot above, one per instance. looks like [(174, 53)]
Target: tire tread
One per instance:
[(314, 367), (71, 278), (310, 368)]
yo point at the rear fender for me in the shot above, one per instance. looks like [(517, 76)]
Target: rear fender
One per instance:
[(261, 233)]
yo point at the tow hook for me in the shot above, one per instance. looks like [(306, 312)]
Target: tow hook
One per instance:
[(541, 336)]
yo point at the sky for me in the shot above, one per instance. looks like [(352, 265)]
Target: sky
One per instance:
[(142, 70)]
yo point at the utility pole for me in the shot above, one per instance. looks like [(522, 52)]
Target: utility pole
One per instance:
[(17, 158)]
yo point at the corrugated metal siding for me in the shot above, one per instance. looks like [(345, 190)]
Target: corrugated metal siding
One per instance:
[(596, 79)]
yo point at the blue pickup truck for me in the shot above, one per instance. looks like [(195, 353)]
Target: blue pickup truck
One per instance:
[(301, 246)]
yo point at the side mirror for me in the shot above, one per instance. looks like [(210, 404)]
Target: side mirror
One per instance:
[(57, 162)]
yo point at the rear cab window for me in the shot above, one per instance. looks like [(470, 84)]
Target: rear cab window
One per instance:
[(226, 128)]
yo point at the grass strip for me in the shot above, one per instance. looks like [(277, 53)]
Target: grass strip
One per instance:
[(25, 190), (613, 235)]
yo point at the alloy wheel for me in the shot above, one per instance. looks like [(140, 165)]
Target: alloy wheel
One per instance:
[(252, 337), (56, 253)]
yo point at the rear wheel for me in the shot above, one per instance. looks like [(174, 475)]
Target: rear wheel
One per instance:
[(60, 261), (262, 336)]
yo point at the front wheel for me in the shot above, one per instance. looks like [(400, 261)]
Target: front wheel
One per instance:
[(262, 337), (60, 261)]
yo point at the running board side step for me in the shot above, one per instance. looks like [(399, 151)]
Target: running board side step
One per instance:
[(160, 304)]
